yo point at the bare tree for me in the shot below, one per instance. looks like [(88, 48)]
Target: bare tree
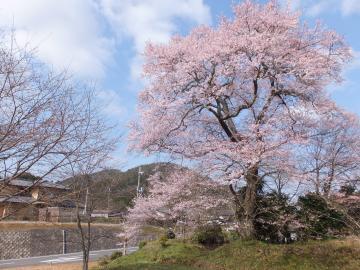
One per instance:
[(48, 122), (83, 183), (83, 215), (331, 158)]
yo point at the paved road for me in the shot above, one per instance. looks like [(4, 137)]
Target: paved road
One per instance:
[(57, 259)]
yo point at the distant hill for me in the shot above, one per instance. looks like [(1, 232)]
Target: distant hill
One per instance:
[(116, 189)]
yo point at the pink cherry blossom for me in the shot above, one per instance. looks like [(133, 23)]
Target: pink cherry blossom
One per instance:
[(234, 98), (181, 195)]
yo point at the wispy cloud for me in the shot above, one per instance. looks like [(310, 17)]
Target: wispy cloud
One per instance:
[(355, 63), (151, 20), (315, 8), (293, 4), (319, 7), (349, 7), (111, 104)]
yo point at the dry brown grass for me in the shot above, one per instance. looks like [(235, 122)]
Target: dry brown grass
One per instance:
[(67, 266), (28, 225)]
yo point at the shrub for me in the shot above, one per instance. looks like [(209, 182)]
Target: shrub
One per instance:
[(170, 234), (163, 241), (274, 218), (319, 218), (115, 255), (231, 235), (347, 190), (142, 244), (104, 261), (210, 235)]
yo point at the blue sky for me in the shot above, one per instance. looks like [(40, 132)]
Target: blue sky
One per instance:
[(101, 41)]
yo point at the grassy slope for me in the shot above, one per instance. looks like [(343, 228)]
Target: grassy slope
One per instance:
[(334, 254)]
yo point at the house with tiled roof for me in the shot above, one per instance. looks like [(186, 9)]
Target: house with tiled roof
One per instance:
[(22, 198)]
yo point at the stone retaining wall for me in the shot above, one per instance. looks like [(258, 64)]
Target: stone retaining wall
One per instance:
[(40, 242), (14, 244)]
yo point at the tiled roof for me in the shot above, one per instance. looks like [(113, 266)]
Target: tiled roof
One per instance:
[(17, 199), (26, 183)]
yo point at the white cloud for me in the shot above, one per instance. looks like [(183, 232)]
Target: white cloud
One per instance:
[(82, 35), (315, 8), (293, 4), (111, 104), (71, 34), (318, 8), (154, 20), (355, 64), (68, 34), (349, 7)]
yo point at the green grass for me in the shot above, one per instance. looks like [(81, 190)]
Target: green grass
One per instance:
[(244, 255)]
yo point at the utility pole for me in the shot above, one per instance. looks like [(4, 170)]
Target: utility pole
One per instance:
[(108, 199), (138, 185), (124, 246)]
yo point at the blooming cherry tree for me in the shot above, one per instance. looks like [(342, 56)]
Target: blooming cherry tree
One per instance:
[(231, 98), (181, 195)]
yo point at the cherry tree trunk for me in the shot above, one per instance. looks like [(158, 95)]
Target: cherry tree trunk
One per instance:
[(245, 203)]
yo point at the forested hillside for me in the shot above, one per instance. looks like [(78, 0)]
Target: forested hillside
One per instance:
[(116, 189)]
